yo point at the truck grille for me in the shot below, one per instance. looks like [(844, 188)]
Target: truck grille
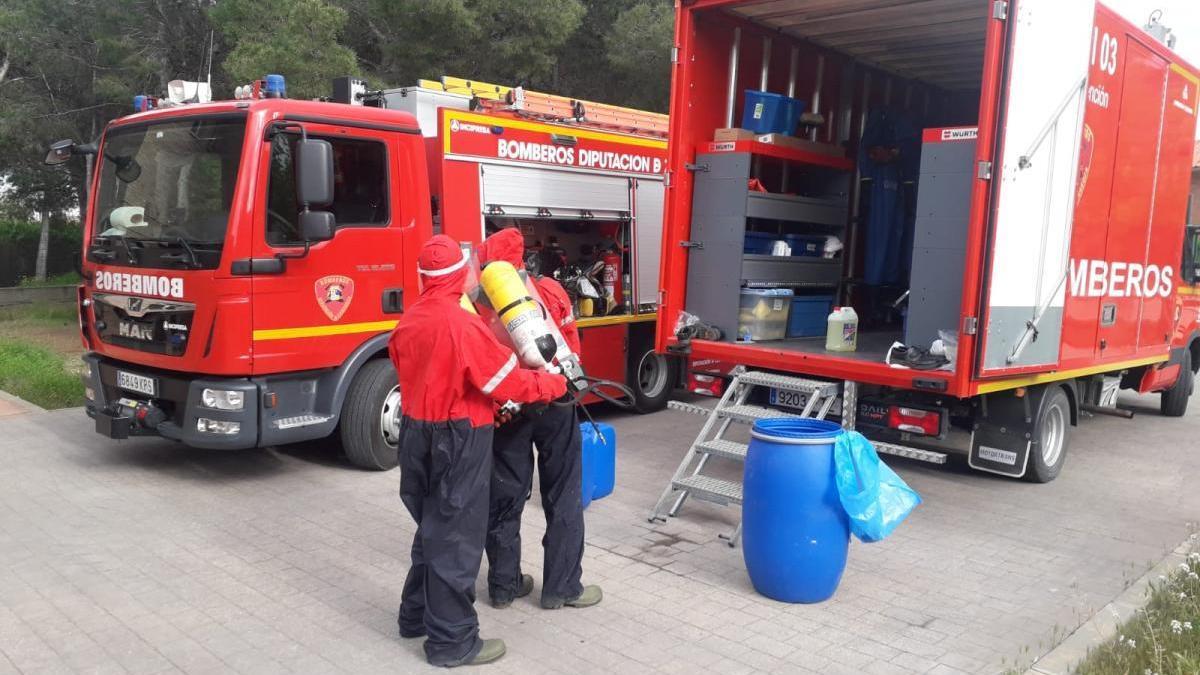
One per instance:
[(146, 324)]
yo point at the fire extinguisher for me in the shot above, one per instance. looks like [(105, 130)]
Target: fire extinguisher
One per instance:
[(611, 278)]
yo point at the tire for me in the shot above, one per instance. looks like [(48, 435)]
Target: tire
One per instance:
[(652, 377), (1174, 401), (1052, 429), (370, 421)]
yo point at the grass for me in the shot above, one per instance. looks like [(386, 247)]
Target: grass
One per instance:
[(39, 354), (1164, 637), (64, 279), (38, 375)]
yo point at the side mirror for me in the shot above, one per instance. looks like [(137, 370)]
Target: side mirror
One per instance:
[(314, 172), (60, 151), (316, 226)]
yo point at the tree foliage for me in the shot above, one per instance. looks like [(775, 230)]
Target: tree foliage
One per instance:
[(68, 67), (294, 38)]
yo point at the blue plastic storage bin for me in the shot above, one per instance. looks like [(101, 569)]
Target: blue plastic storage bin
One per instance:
[(809, 315), (599, 461), (806, 244), (767, 113), (760, 242), (795, 532)]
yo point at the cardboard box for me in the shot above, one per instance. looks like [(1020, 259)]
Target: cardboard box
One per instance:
[(732, 134), (797, 143)]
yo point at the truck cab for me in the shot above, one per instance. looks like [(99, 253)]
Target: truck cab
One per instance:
[(243, 264)]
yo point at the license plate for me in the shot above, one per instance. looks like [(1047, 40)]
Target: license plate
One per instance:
[(139, 383), (789, 399)]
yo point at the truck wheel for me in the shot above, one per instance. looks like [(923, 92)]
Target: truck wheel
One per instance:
[(370, 422), (653, 380), (1174, 401), (1052, 429)]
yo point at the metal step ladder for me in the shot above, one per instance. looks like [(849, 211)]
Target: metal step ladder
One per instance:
[(822, 397), (689, 479)]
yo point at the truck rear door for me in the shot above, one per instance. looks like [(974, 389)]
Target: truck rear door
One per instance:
[(1034, 175)]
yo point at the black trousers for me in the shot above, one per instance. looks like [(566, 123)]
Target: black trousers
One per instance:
[(555, 431), (445, 470)]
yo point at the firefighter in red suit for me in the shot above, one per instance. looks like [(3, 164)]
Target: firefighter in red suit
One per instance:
[(451, 370), (555, 431)]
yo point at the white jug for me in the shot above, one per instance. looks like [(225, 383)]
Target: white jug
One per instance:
[(841, 334)]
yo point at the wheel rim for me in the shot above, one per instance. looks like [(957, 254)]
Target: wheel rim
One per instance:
[(1054, 429), (652, 374), (389, 418)]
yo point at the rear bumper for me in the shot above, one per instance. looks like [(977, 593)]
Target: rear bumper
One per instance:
[(174, 412)]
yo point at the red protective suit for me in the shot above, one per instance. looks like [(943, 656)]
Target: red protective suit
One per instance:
[(555, 431), (450, 365), (450, 368), (509, 245)]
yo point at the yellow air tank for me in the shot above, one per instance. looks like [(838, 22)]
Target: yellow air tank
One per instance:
[(521, 317)]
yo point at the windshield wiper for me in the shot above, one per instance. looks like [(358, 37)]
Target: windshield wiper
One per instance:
[(191, 259), (133, 260)]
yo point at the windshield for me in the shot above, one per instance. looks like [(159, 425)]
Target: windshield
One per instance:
[(169, 181)]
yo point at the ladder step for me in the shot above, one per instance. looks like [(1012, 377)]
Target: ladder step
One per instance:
[(711, 489), (752, 413), (723, 448), (911, 453), (691, 408), (787, 382)]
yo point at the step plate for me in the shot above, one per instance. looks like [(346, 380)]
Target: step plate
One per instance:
[(711, 489), (724, 448), (760, 379), (691, 408), (911, 453), (752, 413)]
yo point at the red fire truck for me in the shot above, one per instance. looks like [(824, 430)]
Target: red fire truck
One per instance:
[(245, 260), (1043, 213)]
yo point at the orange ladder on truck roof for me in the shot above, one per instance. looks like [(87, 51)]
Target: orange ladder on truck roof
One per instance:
[(553, 108)]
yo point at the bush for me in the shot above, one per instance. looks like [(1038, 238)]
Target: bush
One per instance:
[(18, 249)]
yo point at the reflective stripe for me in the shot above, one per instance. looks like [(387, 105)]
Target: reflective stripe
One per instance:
[(447, 270), (500, 374)]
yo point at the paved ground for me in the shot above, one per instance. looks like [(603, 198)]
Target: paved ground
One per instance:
[(145, 557)]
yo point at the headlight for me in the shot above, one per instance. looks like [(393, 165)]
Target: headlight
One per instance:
[(221, 399), (89, 393), (207, 426)]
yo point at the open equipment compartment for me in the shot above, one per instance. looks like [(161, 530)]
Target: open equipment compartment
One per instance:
[(946, 74)]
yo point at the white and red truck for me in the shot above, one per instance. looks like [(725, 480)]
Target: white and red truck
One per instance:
[(1048, 155)]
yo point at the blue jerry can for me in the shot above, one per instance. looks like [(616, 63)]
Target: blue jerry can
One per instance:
[(599, 461)]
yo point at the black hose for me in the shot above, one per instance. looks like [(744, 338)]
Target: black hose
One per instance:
[(595, 386)]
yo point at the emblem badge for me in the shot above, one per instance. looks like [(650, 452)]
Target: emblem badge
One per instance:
[(334, 293)]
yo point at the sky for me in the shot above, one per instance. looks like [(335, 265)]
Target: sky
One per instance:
[(1181, 16)]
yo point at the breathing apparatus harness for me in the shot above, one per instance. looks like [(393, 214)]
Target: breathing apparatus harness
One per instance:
[(537, 341)]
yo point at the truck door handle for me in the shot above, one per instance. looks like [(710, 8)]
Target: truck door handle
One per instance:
[(393, 301)]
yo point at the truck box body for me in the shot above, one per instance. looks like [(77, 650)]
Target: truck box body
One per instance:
[(1066, 258)]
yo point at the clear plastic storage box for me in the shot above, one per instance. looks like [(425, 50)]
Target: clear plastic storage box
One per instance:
[(764, 314)]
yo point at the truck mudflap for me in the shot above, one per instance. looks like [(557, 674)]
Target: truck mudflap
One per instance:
[(1005, 435)]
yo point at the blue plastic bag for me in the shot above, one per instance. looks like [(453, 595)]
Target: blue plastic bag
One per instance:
[(875, 498)]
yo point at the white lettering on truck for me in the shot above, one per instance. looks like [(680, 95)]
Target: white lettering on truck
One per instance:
[(593, 159), (1104, 279), (140, 284)]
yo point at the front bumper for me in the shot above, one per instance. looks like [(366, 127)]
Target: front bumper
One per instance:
[(173, 411)]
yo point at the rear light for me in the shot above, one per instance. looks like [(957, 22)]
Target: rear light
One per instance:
[(706, 385), (915, 420)]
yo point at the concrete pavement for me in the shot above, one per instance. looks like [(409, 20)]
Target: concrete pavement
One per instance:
[(145, 556)]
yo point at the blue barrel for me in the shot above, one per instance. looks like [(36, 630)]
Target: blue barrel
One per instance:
[(795, 532), (599, 461)]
